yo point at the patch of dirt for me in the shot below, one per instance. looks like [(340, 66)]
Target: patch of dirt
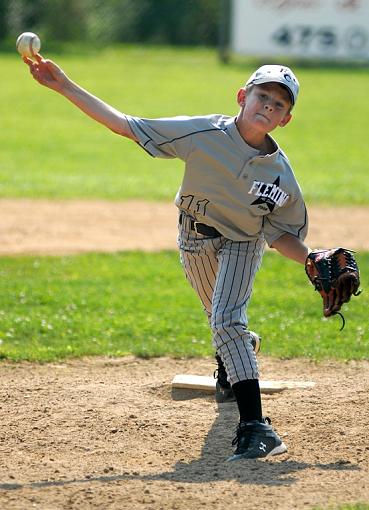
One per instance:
[(43, 227), (110, 434)]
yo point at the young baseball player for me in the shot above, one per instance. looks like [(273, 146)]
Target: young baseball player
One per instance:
[(238, 193)]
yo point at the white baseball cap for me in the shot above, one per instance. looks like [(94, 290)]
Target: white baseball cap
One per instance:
[(278, 74)]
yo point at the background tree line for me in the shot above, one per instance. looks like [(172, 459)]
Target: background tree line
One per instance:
[(178, 22)]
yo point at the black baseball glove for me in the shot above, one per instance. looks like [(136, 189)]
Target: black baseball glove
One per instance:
[(335, 275)]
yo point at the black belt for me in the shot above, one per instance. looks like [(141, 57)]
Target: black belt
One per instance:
[(201, 228)]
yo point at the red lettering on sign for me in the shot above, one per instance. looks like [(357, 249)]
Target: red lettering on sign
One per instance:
[(290, 4)]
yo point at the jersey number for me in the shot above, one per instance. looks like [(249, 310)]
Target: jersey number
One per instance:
[(198, 207)]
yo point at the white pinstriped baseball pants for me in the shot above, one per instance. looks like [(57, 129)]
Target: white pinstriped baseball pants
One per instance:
[(222, 272)]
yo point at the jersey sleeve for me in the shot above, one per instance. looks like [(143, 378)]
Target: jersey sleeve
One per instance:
[(292, 218), (165, 137)]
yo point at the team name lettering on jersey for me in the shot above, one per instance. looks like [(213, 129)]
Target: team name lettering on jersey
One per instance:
[(270, 194)]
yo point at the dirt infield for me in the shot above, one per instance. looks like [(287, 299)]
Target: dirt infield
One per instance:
[(111, 434), (66, 227)]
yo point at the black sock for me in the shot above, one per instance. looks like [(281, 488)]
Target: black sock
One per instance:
[(248, 398)]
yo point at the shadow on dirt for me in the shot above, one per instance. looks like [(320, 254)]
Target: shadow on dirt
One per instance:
[(211, 465)]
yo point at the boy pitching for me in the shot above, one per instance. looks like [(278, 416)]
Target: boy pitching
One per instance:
[(238, 193)]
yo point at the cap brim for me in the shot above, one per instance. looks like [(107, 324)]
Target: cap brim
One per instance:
[(260, 81)]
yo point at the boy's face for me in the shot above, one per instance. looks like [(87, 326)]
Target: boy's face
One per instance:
[(264, 107)]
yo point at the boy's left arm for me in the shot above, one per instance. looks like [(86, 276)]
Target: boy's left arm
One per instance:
[(291, 247), (334, 272)]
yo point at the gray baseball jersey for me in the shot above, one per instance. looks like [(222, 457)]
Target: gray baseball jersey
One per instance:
[(227, 184), (247, 197)]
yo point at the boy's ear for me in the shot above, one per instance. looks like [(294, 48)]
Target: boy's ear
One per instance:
[(285, 120), (241, 97)]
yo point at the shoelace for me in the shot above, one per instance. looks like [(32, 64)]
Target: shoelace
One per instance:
[(244, 430), (220, 374), (241, 432)]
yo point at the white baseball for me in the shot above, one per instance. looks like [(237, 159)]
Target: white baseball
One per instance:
[(28, 44)]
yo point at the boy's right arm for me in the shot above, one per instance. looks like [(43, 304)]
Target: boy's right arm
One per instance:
[(50, 75)]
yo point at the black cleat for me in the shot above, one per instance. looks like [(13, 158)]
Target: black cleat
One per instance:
[(256, 440), (223, 389), (223, 394)]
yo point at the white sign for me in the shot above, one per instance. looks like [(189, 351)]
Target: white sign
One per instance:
[(332, 29)]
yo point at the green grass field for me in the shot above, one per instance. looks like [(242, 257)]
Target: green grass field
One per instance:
[(353, 506), (49, 149), (52, 308)]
